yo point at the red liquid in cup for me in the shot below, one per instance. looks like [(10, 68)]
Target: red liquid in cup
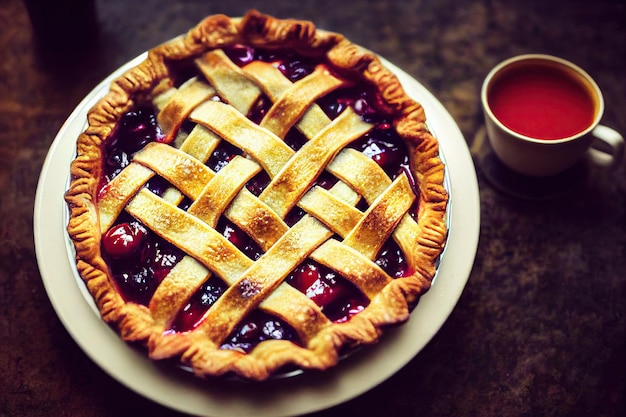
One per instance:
[(542, 102)]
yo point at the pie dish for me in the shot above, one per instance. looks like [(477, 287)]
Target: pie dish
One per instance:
[(256, 195)]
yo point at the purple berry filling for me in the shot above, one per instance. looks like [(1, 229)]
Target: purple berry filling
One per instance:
[(137, 258)]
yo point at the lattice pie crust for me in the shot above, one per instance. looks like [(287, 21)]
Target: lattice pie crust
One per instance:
[(333, 232)]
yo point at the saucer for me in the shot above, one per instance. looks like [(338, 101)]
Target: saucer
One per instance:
[(522, 186)]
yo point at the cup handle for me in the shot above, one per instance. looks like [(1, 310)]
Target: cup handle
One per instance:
[(608, 147)]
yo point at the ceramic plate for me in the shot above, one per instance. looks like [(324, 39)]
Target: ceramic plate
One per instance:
[(305, 393)]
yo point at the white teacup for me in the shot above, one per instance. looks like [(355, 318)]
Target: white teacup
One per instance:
[(542, 115)]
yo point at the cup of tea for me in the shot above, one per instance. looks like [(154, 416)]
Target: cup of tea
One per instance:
[(542, 115)]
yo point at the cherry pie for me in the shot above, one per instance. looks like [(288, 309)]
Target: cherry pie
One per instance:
[(256, 195)]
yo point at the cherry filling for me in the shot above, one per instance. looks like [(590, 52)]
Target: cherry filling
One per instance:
[(393, 261), (192, 314), (239, 238), (338, 298), (139, 260), (222, 155), (257, 327), (133, 131)]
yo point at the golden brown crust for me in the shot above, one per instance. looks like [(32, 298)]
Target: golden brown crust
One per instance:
[(423, 240)]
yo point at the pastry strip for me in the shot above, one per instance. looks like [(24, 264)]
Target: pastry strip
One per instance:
[(299, 173), (119, 191), (175, 290), (263, 277), (349, 263), (275, 84), (292, 104), (189, 174), (381, 218), (216, 253), (222, 188), (229, 80), (200, 143), (330, 210), (188, 96), (190, 234), (344, 167), (264, 147)]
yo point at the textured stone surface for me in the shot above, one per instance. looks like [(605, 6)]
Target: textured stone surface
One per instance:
[(540, 327)]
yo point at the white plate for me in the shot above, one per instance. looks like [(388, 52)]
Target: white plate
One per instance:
[(302, 394)]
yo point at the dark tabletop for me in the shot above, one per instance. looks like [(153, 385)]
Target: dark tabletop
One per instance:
[(539, 329)]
